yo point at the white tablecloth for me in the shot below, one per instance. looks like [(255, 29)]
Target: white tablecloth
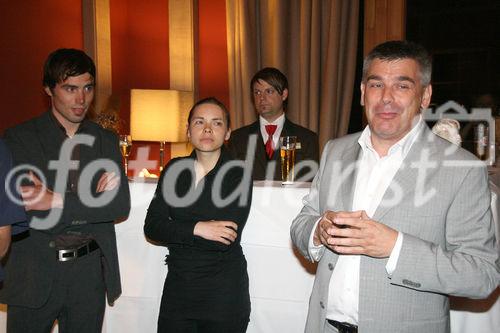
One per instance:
[(280, 279)]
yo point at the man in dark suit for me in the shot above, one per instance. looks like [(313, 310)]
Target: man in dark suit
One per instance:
[(270, 92), (73, 188)]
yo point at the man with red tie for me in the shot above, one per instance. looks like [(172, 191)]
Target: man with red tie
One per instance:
[(270, 93)]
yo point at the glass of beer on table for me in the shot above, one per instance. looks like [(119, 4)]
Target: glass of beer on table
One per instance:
[(287, 152), (125, 148)]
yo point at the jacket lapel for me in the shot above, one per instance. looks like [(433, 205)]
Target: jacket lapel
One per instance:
[(350, 162), (406, 177), (48, 136)]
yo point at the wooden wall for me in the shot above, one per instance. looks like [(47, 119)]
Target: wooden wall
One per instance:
[(31, 29), (384, 20)]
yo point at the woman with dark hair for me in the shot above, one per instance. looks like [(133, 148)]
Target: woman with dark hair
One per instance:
[(199, 210)]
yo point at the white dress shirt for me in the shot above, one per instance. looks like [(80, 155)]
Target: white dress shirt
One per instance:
[(374, 176), (280, 121)]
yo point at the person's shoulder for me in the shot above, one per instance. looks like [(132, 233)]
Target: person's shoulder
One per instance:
[(343, 142), (448, 150), (301, 130), (183, 162), (27, 126), (244, 130), (181, 159)]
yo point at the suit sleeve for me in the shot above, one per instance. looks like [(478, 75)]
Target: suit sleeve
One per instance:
[(117, 208), (302, 225), (309, 153), (74, 209), (468, 265), (312, 151)]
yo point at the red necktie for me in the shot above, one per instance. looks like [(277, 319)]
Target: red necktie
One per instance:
[(270, 129)]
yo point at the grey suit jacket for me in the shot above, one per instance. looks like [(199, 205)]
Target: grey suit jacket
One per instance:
[(439, 199)]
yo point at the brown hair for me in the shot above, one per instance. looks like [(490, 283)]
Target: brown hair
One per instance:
[(214, 101)]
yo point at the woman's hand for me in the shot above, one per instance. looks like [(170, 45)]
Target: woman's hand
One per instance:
[(219, 231)]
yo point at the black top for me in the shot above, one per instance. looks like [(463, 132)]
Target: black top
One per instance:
[(206, 279)]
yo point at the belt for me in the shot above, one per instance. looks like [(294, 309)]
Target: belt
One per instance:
[(71, 254), (343, 327)]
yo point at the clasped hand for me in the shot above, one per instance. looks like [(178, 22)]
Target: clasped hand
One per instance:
[(39, 197), (219, 231), (355, 233)]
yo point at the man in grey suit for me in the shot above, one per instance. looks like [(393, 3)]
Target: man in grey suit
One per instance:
[(397, 218)]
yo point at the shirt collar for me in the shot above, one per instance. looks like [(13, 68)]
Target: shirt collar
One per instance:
[(279, 122), (404, 144), (81, 128)]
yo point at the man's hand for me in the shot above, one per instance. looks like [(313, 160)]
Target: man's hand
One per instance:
[(321, 234), (107, 182), (219, 231), (361, 235), (39, 197)]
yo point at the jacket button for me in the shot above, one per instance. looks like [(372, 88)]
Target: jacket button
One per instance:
[(52, 244), (321, 304), (330, 266)]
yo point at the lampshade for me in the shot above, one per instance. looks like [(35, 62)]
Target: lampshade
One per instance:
[(159, 115)]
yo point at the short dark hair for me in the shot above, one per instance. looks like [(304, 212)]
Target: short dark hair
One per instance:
[(273, 77), (401, 49), (214, 101), (63, 63)]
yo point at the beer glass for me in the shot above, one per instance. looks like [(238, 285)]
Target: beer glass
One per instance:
[(125, 148), (287, 153)]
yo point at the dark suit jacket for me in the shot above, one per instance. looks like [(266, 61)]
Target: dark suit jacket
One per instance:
[(31, 264), (309, 149)]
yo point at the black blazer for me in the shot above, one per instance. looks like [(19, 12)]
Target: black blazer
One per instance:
[(31, 263), (309, 149)]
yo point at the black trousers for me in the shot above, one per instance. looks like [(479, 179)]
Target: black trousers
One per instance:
[(236, 325), (76, 301)]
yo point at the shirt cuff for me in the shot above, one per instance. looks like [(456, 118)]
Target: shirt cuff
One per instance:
[(314, 251), (390, 267)]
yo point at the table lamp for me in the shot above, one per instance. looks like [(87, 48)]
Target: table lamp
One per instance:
[(159, 115)]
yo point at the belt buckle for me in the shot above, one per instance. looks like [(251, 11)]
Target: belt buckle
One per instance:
[(61, 254)]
